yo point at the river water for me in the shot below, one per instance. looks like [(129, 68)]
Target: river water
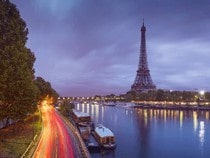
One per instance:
[(148, 133)]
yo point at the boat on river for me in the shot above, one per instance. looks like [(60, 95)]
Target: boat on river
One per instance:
[(109, 104), (80, 117), (105, 137)]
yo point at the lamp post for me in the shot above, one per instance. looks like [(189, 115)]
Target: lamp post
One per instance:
[(202, 92), (201, 96)]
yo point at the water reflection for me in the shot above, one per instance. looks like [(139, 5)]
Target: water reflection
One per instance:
[(181, 119), (151, 133), (153, 116), (92, 109), (201, 133), (143, 117), (174, 115), (195, 121)]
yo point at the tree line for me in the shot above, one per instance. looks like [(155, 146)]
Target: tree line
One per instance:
[(168, 95), (20, 90)]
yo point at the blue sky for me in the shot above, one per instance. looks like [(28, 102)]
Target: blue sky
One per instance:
[(92, 47)]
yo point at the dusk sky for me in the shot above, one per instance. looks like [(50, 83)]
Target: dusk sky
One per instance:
[(89, 47)]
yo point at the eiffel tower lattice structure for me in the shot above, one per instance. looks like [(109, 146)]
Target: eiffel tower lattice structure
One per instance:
[(143, 80)]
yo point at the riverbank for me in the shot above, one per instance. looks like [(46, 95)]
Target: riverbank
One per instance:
[(172, 107), (15, 139)]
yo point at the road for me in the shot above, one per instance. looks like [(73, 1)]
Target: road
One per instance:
[(56, 140)]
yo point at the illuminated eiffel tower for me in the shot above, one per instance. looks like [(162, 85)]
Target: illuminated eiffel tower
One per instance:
[(143, 80)]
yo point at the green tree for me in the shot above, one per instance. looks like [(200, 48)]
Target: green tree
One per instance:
[(45, 89), (130, 95), (17, 90), (160, 95), (66, 107), (151, 95)]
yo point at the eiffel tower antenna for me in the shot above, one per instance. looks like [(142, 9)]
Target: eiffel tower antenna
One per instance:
[(143, 80)]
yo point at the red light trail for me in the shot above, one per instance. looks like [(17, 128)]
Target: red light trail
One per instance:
[(55, 139)]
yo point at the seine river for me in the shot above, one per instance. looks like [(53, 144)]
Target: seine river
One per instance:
[(147, 133)]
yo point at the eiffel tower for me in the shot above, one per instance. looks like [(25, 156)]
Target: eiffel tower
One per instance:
[(143, 80)]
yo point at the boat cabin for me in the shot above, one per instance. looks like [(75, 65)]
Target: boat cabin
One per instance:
[(105, 136), (81, 117)]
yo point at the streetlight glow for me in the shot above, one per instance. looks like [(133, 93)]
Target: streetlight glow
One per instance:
[(201, 92)]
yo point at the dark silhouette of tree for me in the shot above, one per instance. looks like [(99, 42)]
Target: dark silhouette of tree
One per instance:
[(160, 95), (45, 89), (17, 90), (130, 95), (66, 107)]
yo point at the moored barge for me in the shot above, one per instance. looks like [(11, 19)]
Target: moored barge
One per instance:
[(105, 137)]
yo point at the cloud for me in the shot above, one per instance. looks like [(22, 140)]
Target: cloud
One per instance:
[(55, 8), (92, 47), (182, 64)]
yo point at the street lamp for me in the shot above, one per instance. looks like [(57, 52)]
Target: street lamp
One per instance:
[(201, 95), (201, 92)]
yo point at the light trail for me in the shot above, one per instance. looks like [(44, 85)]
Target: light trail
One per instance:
[(55, 140)]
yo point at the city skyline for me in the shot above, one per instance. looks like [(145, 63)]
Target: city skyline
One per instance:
[(88, 48)]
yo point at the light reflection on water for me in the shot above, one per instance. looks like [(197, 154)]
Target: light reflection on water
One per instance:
[(195, 121), (201, 132), (149, 133)]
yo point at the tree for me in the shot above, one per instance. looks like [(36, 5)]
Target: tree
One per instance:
[(160, 95), (151, 95), (66, 107), (130, 95), (45, 89), (17, 90)]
